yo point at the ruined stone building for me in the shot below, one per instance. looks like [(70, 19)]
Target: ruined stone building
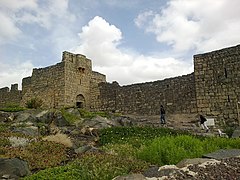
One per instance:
[(213, 88), (67, 84)]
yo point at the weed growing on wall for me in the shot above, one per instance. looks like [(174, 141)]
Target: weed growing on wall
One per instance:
[(34, 103)]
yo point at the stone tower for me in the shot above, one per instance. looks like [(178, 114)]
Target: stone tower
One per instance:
[(66, 84)]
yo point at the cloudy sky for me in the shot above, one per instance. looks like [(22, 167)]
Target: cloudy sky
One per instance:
[(130, 41)]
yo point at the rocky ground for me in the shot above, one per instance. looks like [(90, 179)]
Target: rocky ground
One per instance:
[(83, 140)]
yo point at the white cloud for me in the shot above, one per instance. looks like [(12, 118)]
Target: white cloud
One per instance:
[(14, 14), (13, 73), (201, 25), (8, 30), (99, 41)]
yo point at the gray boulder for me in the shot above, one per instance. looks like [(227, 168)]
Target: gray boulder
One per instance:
[(49, 116), (98, 122), (187, 162), (124, 121), (236, 133), (44, 117), (223, 154), (23, 116), (30, 130), (4, 116), (13, 168), (74, 112)]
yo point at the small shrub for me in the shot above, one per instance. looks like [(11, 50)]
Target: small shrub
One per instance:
[(34, 103), (59, 138)]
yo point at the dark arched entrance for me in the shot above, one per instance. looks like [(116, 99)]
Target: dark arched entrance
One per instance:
[(80, 101)]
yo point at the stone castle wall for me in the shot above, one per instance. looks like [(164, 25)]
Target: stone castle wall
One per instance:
[(66, 84), (217, 80), (46, 84), (213, 89), (10, 97), (175, 94)]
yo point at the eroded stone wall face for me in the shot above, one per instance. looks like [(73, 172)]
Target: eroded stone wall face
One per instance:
[(10, 97), (177, 95), (95, 102), (46, 84), (217, 81)]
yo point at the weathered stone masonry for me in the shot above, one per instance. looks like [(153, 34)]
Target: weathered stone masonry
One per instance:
[(213, 88), (177, 95), (10, 97), (217, 82)]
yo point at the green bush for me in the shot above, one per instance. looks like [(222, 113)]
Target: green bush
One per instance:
[(12, 107), (34, 103), (93, 166)]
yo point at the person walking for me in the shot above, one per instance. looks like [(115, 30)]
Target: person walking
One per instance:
[(203, 121), (162, 115)]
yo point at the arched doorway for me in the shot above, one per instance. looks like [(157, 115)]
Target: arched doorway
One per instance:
[(80, 101)]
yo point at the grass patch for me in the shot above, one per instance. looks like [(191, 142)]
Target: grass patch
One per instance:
[(4, 127), (11, 107), (134, 135), (171, 150), (93, 166), (39, 155)]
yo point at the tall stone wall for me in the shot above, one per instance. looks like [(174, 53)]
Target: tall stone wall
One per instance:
[(10, 97), (177, 95), (217, 81), (46, 84)]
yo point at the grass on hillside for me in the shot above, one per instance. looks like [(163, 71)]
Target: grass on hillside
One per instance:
[(133, 149)]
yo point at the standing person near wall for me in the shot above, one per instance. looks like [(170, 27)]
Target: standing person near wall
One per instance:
[(162, 115), (203, 121)]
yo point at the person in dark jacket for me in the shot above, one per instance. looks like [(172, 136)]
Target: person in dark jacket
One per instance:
[(162, 115), (203, 121)]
